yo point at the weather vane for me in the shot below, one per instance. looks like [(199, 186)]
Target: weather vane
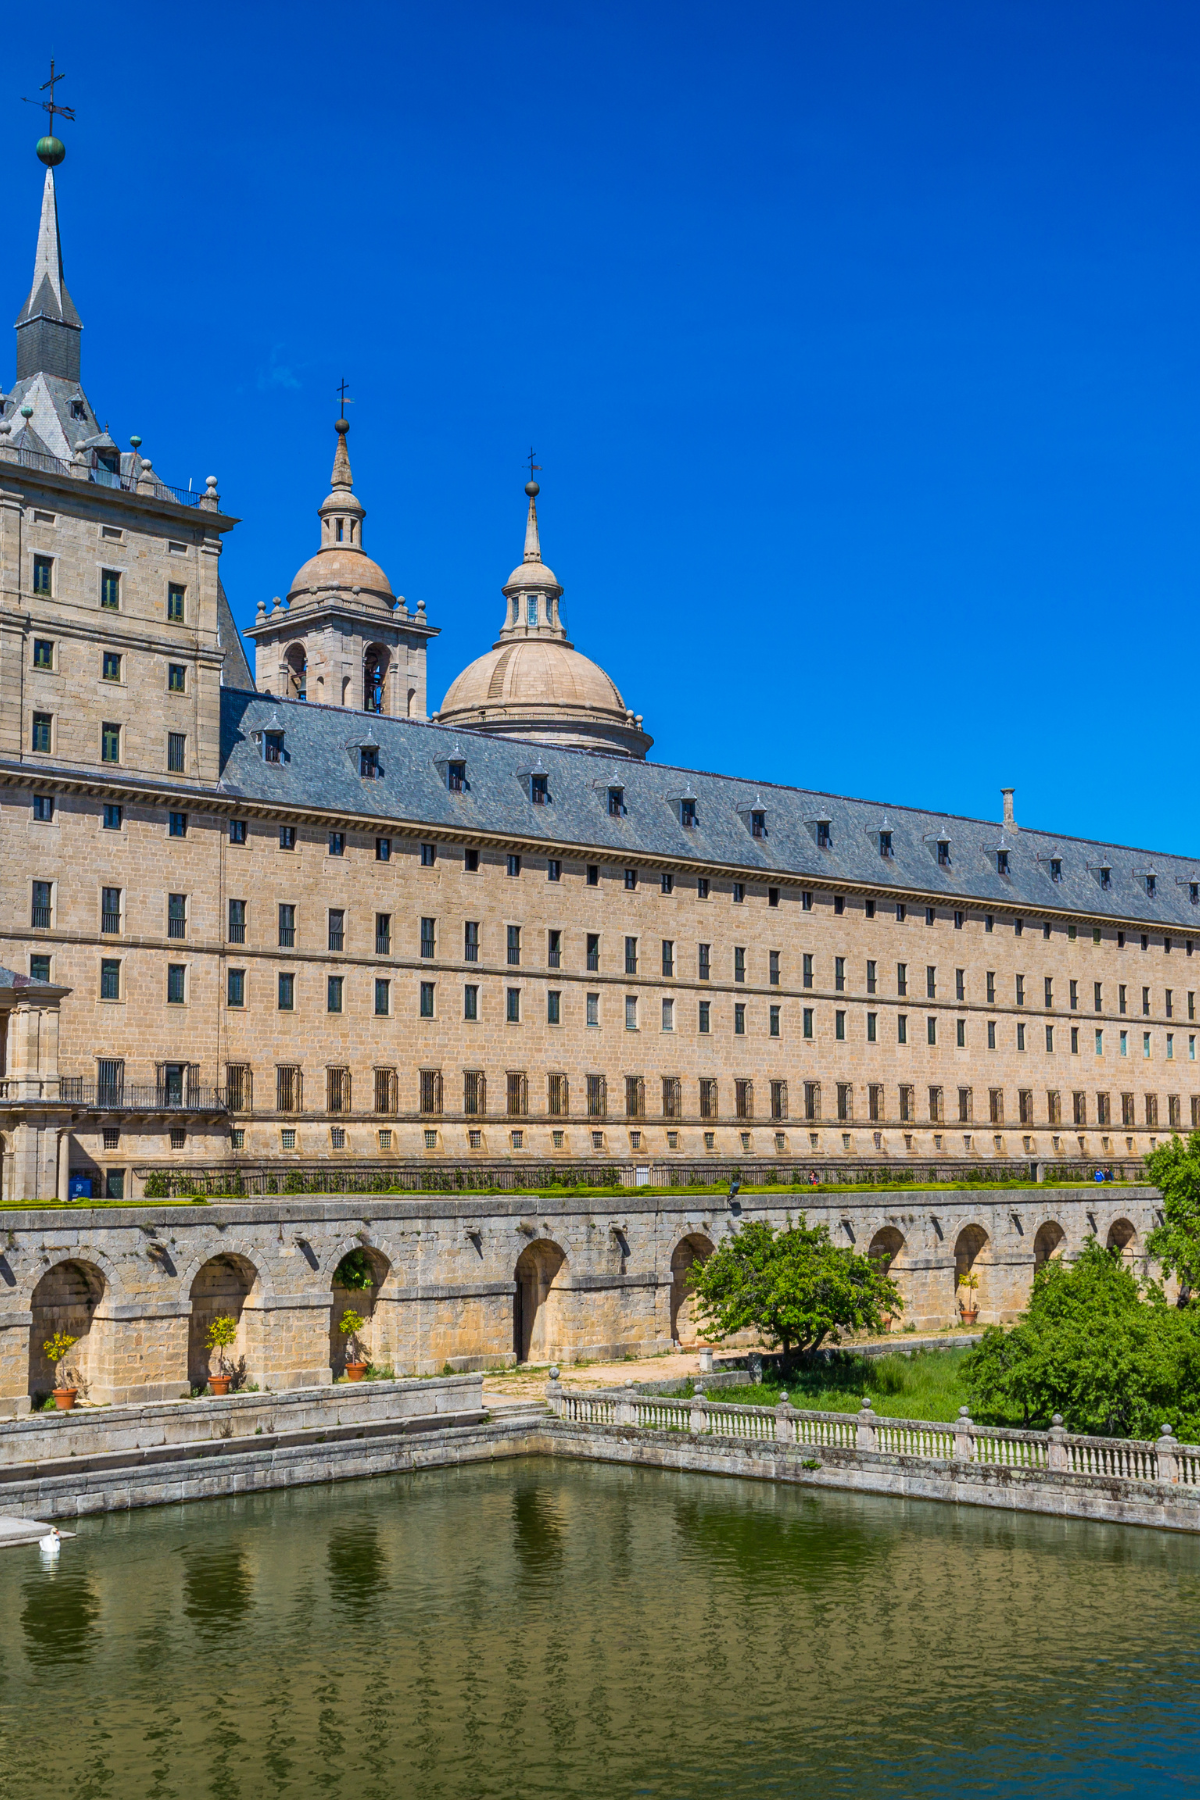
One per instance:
[(342, 385), (51, 149)]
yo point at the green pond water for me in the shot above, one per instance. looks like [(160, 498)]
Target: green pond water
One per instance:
[(543, 1628)]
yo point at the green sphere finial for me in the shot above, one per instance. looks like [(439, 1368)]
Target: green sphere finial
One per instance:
[(51, 151)]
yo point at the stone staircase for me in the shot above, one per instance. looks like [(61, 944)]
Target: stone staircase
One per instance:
[(517, 1412)]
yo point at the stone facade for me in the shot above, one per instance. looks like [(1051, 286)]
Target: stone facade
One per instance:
[(469, 1284)]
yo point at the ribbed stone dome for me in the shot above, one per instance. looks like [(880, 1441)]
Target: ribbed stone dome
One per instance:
[(344, 568)]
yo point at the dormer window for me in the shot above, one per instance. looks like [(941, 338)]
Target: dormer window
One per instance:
[(687, 814), (616, 802), (531, 609), (885, 844), (758, 824), (1106, 879), (1002, 862), (539, 789), (1056, 868), (273, 746), (1194, 891), (77, 410), (456, 777), (824, 841), (368, 761), (1151, 884)]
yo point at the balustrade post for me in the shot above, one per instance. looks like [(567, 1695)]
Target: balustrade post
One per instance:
[(1165, 1451), (964, 1448), (698, 1422), (1057, 1459), (784, 1429), (868, 1427), (706, 1360), (626, 1413), (554, 1393)]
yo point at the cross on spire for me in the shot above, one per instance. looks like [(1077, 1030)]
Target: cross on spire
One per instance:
[(342, 385), (534, 468), (51, 106)]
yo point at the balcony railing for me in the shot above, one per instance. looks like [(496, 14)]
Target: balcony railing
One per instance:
[(237, 934), (287, 937), (102, 477), (125, 1097), (40, 918), (110, 924)]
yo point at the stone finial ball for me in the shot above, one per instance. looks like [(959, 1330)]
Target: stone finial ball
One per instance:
[(51, 151), (532, 489), (136, 442), (27, 412), (341, 426)]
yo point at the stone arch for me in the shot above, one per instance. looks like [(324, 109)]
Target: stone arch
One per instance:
[(886, 1249), (223, 1284), (690, 1250), (376, 669), (363, 1301), (1122, 1236), (66, 1300), (238, 1247), (536, 1328), (1049, 1242), (971, 1249), (295, 665), (411, 703)]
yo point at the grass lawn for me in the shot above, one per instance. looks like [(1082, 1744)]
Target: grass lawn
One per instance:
[(926, 1385)]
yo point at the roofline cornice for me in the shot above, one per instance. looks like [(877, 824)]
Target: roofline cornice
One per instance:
[(15, 478)]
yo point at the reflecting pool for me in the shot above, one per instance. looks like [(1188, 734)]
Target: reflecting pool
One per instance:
[(544, 1628)]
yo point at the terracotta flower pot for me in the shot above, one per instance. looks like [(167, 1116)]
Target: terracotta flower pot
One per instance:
[(65, 1398), (219, 1384), (969, 1314), (355, 1371)]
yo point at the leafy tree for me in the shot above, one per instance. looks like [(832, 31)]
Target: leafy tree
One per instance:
[(221, 1334), (1096, 1345), (1174, 1168), (795, 1287), (354, 1271)]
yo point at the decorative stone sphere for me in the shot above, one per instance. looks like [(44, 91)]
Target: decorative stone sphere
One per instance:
[(27, 412), (51, 151), (341, 426), (136, 442), (532, 489)]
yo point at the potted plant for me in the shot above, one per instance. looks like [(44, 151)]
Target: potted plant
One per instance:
[(58, 1348), (219, 1337), (969, 1307), (356, 1361)]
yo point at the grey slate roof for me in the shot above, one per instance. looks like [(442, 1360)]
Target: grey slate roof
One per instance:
[(9, 978), (235, 670), (321, 772)]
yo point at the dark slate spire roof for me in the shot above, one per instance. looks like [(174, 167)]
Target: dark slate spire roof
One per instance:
[(48, 326), (320, 772)]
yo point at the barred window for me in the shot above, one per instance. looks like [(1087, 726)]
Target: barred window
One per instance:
[(338, 1089), (387, 1092), (875, 1101), (1025, 1106), (597, 1097), (672, 1096), (935, 1106), (743, 1099), (635, 1097), (964, 1106), (845, 1100), (812, 1099), (517, 1093), (474, 1092), (431, 1090), (996, 1105), (288, 1087), (708, 1097), (1127, 1109), (558, 1096), (906, 1105), (779, 1099), (1054, 1106), (239, 1091)]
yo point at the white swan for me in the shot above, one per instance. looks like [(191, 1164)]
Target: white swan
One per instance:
[(50, 1544)]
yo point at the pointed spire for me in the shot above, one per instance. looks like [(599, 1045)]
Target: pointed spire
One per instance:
[(48, 326), (533, 548), (341, 477)]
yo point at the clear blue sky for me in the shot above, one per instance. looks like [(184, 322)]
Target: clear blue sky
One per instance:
[(858, 342)]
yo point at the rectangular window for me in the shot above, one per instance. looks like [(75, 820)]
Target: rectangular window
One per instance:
[(334, 985), (812, 1099), (906, 1106), (774, 1022), (901, 979), (773, 967), (593, 875), (337, 1091), (739, 892), (43, 653), (42, 725), (110, 742), (839, 1026), (514, 945), (708, 1097), (428, 937), (337, 928), (668, 956), (931, 1031), (113, 816), (383, 849), (516, 1094), (287, 837), (110, 979), (426, 999), (474, 1092), (702, 887), (43, 808), (273, 747), (287, 993), (1123, 1043), (806, 970), (1020, 990), (514, 865), (931, 983), (631, 880), (705, 965), (554, 869), (1151, 1109), (597, 1097), (592, 1012), (1145, 1044), (1074, 1040), (901, 912), (110, 910), (40, 910), (872, 1027), (456, 776), (554, 1006), (631, 1012), (470, 1003), (471, 941), (236, 929), (593, 951), (960, 1033), (964, 1105), (739, 1020), (806, 1022), (287, 927), (1020, 1037), (176, 752), (428, 855), (176, 678), (176, 603), (668, 1015), (635, 1097), (176, 984), (237, 831), (739, 963), (110, 589), (703, 1026), (996, 1105), (512, 1005), (631, 955), (383, 934), (936, 1115), (429, 1091), (1099, 1043), (176, 915), (288, 1089), (110, 666), (383, 997)]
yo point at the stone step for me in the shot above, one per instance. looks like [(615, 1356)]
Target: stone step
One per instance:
[(507, 1412)]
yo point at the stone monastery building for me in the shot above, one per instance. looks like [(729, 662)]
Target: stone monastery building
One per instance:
[(260, 924)]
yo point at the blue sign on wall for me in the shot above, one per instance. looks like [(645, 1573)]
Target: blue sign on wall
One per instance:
[(79, 1187)]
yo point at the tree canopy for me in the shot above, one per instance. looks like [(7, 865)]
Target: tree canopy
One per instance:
[(1174, 1168), (795, 1287), (1096, 1345)]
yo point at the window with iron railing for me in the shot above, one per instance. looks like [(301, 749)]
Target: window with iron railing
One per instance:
[(110, 910), (554, 949), (597, 1096), (474, 1092), (338, 1089), (516, 1093), (708, 1097), (779, 1099), (237, 922), (386, 1091), (110, 1080), (238, 1087), (288, 1087), (337, 928), (431, 1091), (635, 1097), (558, 1096), (383, 934), (176, 915), (743, 1099), (428, 937), (672, 1097), (287, 926)]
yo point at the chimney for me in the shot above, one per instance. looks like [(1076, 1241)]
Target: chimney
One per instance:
[(1010, 824)]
